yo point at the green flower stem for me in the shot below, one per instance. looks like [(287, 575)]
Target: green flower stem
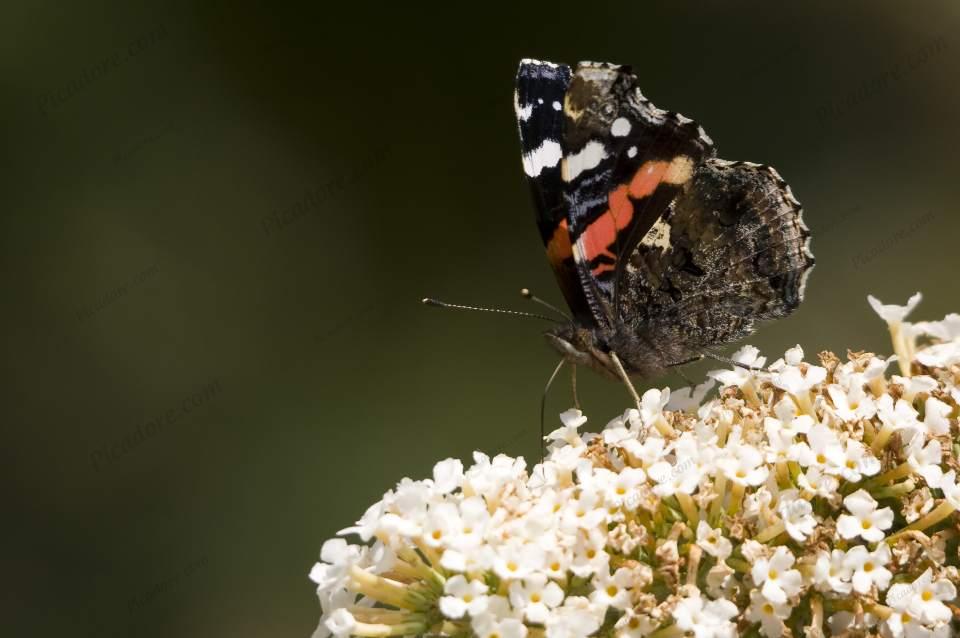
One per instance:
[(895, 491), (750, 394), (383, 590), (738, 564), (664, 428), (736, 498), (883, 437), (667, 632), (379, 630), (783, 475), (901, 347), (804, 403), (899, 472), (941, 512), (717, 506), (689, 507), (771, 532), (423, 571)]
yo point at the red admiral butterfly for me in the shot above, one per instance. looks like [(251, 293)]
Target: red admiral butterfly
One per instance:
[(661, 249)]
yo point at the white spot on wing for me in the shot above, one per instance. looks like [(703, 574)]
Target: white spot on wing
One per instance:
[(544, 156), (658, 236), (587, 158), (557, 106), (620, 127), (632, 151)]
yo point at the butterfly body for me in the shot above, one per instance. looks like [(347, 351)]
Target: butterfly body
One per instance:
[(661, 249)]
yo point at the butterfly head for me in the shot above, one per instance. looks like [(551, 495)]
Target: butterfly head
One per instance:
[(582, 347)]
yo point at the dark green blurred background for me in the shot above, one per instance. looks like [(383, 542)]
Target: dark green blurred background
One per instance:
[(218, 222)]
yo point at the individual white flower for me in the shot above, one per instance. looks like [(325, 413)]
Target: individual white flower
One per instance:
[(757, 504), (535, 596), (575, 618), (713, 541), (612, 590), (652, 404), (817, 483), (940, 355), (793, 356), (742, 463), (517, 559), (748, 357), (621, 491), (337, 557), (864, 520), (770, 615), (898, 415), (777, 581), (924, 459), (498, 621), (832, 572), (706, 619), (793, 378), (443, 521), (584, 511), (858, 462), (589, 556), (951, 489), (912, 386), (797, 516), (634, 625), (923, 598), (822, 449), (869, 567), (568, 433), (671, 479), (892, 313), (341, 623), (463, 597), (936, 417), (788, 423), (946, 330), (447, 475), (853, 404)]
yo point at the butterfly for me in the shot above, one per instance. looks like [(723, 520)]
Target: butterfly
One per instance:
[(662, 251)]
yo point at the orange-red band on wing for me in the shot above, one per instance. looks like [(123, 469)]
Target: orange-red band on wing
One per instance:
[(559, 248), (601, 234)]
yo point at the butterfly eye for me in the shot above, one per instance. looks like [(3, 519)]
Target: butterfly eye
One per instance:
[(608, 110)]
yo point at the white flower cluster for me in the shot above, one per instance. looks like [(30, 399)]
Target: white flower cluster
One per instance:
[(801, 500)]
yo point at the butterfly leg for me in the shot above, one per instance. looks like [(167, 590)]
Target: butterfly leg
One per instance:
[(543, 404), (573, 384), (626, 379), (680, 372)]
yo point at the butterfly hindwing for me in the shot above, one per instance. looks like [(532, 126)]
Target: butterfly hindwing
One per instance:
[(731, 251)]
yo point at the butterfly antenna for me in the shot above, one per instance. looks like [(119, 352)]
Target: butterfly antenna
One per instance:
[(516, 313), (543, 404), (546, 304)]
